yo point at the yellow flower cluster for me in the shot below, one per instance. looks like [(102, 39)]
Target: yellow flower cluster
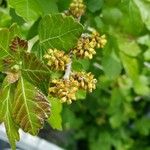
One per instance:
[(86, 45), (100, 40), (57, 60), (86, 80), (85, 48), (77, 8), (66, 89)]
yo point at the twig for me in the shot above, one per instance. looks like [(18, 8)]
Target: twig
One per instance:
[(68, 68), (68, 71)]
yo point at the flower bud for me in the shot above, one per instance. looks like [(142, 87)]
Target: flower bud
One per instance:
[(100, 40), (85, 48), (77, 8), (65, 90), (86, 80), (57, 60)]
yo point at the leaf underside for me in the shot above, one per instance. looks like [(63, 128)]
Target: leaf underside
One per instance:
[(30, 107)]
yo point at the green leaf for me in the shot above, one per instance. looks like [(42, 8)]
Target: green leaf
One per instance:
[(14, 31), (15, 18), (143, 125), (38, 50), (48, 6), (29, 9), (144, 8), (111, 15), (58, 31), (128, 46), (144, 40), (35, 71), (141, 86), (6, 35), (70, 119), (5, 20), (131, 21), (30, 107), (116, 120), (55, 119), (6, 107), (116, 108), (103, 142), (33, 31), (94, 5), (4, 43), (77, 65), (130, 65), (111, 65), (147, 55)]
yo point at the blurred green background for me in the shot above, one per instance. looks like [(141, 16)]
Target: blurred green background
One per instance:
[(116, 116)]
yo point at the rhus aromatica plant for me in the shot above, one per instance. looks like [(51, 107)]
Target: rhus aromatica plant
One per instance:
[(38, 71)]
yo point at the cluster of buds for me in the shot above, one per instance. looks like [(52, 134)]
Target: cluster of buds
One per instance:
[(77, 8), (86, 80), (100, 40), (85, 48), (57, 60), (65, 89), (87, 44)]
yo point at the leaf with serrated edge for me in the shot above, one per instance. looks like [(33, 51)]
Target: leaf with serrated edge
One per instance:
[(6, 106), (35, 71), (31, 107), (58, 31), (6, 35)]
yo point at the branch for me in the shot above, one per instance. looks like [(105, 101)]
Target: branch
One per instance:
[(68, 71), (68, 68)]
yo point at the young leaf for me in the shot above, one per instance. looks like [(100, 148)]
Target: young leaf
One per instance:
[(55, 119), (6, 35), (58, 31), (6, 107), (35, 71), (30, 107), (18, 45), (4, 47)]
